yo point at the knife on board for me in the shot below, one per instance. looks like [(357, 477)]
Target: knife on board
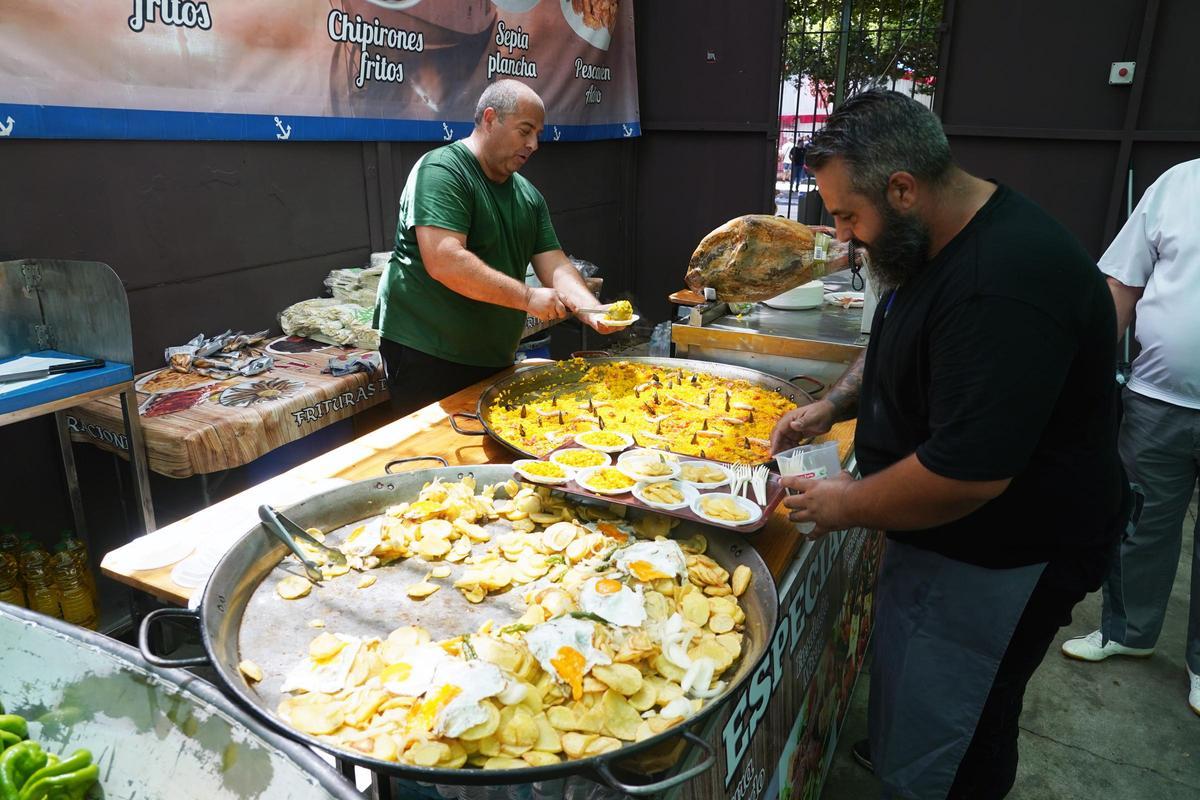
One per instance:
[(52, 370)]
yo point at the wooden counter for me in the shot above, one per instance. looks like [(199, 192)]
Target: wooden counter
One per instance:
[(422, 433)]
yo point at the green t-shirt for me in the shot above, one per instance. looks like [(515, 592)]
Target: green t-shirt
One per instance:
[(506, 225)]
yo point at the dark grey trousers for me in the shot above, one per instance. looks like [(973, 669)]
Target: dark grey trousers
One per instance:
[(1160, 447)]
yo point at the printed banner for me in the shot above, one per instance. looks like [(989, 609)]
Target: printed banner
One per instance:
[(776, 737), (290, 70)]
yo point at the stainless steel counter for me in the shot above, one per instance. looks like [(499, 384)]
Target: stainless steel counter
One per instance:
[(819, 342)]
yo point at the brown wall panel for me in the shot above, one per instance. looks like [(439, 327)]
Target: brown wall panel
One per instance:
[(165, 211), (679, 85), (688, 184), (1037, 64), (248, 299), (1069, 179), (1172, 99)]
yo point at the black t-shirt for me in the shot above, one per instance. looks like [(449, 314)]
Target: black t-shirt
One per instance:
[(998, 361)]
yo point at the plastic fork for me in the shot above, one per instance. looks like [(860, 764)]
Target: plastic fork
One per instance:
[(741, 474), (735, 477), (759, 482)]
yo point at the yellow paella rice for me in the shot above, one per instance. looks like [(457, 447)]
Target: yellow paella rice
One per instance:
[(543, 469), (620, 310), (693, 414), (580, 458), (610, 479), (600, 439)]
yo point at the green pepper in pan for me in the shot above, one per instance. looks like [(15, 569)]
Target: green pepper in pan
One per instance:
[(69, 779), (17, 763), (12, 725)]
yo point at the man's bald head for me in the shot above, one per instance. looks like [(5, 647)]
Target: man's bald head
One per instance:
[(504, 96)]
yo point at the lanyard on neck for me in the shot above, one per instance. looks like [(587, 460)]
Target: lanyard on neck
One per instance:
[(891, 299)]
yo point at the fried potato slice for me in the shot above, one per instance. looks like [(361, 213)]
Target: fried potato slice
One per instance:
[(625, 679), (252, 671), (293, 587), (421, 590), (621, 719)]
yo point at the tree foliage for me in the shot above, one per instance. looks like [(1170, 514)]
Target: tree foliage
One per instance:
[(887, 41)]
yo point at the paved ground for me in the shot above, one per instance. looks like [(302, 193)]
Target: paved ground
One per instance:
[(1117, 730)]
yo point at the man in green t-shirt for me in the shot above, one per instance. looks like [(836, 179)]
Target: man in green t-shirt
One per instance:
[(453, 301)]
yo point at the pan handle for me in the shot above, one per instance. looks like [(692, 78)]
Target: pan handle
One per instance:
[(820, 386), (144, 638), (710, 758), (388, 467), (465, 415)]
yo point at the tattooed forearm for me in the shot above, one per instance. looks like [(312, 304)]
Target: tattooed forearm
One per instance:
[(844, 394)]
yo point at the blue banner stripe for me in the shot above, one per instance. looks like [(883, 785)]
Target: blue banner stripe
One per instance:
[(77, 122)]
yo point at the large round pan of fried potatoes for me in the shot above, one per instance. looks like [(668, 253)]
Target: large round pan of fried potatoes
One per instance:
[(696, 408), (488, 631)]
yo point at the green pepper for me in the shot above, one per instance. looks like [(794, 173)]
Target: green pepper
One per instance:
[(11, 723), (7, 740), (69, 778), (17, 763)]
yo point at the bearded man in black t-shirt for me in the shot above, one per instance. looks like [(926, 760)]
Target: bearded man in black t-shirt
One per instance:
[(986, 439)]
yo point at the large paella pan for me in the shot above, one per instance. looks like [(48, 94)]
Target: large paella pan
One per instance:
[(475, 623), (697, 408)]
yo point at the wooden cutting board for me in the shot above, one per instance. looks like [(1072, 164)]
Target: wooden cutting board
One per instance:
[(685, 297)]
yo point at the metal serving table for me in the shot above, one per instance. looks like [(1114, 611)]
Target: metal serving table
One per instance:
[(819, 343), (72, 309)]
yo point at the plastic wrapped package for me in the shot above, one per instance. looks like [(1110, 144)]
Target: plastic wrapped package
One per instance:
[(356, 285), (331, 321)]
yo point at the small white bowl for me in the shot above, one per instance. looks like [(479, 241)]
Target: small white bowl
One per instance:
[(557, 454), (520, 464), (713, 485), (749, 506), (633, 468), (689, 494), (626, 439), (584, 476)]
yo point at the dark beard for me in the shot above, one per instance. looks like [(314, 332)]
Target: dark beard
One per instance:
[(900, 251)]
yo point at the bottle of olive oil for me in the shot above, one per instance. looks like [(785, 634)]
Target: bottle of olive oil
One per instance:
[(78, 607)]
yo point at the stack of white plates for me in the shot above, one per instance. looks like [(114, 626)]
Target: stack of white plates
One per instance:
[(154, 550), (808, 295)]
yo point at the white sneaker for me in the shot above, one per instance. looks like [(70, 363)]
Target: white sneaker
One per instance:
[(1194, 694), (1093, 648)]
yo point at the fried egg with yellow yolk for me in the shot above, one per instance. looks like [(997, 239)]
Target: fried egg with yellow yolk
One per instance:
[(613, 601), (326, 675), (564, 648), (363, 540), (452, 703), (652, 561), (412, 676)]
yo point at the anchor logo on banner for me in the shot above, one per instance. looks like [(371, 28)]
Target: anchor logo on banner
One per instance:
[(7, 129), (557, 133), (449, 135), (284, 133), (628, 130)]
